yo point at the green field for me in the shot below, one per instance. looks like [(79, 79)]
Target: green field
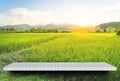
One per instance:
[(60, 47)]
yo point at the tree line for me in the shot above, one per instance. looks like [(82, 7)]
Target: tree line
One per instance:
[(109, 27), (33, 30), (40, 30)]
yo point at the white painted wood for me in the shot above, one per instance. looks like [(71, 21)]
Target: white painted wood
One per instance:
[(59, 66)]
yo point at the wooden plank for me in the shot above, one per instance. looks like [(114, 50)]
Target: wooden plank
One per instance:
[(59, 66)]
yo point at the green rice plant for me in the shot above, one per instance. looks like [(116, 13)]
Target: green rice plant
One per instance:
[(16, 41), (72, 47), (80, 48)]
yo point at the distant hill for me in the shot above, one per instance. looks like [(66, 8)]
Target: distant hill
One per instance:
[(27, 27), (17, 27), (53, 26), (110, 24), (108, 27), (36, 28)]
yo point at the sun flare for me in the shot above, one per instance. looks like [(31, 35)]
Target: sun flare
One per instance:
[(81, 29)]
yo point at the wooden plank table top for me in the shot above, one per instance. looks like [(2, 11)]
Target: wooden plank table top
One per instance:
[(59, 66)]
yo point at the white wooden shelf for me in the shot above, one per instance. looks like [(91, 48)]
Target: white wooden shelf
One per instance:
[(59, 66)]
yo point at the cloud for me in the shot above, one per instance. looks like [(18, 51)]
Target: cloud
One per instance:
[(80, 15), (24, 16), (111, 13), (113, 7), (73, 14)]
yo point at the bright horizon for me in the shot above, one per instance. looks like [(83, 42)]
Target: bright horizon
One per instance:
[(79, 12)]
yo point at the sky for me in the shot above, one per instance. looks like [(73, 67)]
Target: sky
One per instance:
[(41, 12)]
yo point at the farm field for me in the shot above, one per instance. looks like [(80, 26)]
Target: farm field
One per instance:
[(60, 47), (12, 42)]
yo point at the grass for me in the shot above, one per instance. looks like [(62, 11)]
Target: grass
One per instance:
[(12, 42), (74, 47)]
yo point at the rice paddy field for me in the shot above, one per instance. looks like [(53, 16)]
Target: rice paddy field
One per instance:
[(59, 47)]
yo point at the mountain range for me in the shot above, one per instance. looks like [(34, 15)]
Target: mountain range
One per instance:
[(59, 26)]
